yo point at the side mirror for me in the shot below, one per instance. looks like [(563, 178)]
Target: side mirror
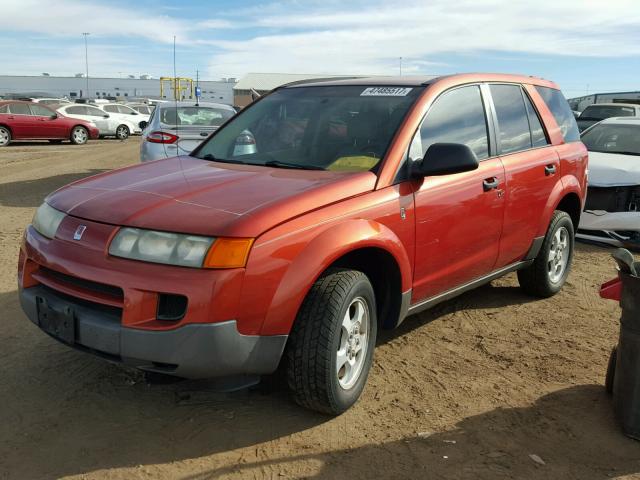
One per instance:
[(447, 158), (143, 125), (106, 115), (53, 116), (134, 113)]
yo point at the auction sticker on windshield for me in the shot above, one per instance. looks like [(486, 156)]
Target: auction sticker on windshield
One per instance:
[(385, 92)]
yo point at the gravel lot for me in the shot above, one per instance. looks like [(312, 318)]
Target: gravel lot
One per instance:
[(470, 389)]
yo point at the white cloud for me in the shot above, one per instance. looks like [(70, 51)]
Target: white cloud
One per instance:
[(369, 37), (64, 18)]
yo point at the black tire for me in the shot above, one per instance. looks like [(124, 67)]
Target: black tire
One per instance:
[(312, 348), (536, 279), (5, 136), (611, 371), (79, 135), (122, 132)]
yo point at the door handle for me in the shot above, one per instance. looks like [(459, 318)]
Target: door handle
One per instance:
[(549, 169), (490, 184)]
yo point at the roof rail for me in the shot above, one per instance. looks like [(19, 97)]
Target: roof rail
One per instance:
[(319, 79)]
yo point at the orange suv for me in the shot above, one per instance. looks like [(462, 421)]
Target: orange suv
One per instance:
[(321, 213)]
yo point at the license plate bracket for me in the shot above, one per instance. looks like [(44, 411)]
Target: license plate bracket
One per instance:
[(58, 321)]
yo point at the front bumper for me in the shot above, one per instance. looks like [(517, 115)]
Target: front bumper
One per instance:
[(191, 351), (614, 228)]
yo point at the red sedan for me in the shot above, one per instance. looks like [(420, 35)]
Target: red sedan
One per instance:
[(32, 121)]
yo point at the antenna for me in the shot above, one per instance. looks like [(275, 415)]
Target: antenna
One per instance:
[(176, 92)]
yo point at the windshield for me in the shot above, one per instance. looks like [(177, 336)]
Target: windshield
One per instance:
[(612, 138), (346, 128), (201, 116), (597, 112)]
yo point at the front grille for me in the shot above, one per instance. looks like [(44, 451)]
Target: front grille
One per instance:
[(91, 286)]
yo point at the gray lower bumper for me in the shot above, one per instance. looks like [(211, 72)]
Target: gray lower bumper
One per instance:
[(192, 351)]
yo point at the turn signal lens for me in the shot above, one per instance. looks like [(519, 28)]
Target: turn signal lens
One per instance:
[(228, 253)]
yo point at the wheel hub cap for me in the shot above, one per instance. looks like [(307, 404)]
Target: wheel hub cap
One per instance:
[(352, 348), (558, 255)]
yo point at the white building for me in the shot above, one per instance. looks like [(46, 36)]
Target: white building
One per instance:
[(119, 88)]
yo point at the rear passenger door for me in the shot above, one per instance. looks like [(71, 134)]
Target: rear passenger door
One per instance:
[(21, 122), (458, 216), (531, 165)]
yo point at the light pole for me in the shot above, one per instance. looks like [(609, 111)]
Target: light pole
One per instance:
[(400, 66), (86, 61)]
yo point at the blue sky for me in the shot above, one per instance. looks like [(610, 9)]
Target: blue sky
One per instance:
[(584, 45)]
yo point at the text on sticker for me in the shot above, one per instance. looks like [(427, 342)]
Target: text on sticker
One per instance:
[(385, 92)]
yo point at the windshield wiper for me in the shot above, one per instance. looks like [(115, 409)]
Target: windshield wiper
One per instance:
[(279, 164), (213, 158)]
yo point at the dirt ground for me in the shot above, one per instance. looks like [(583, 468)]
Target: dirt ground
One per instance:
[(469, 389)]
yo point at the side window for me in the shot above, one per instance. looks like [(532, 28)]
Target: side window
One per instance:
[(538, 137), (76, 110), (4, 109), (125, 110), (40, 111), (111, 108), (513, 124), (19, 109), (561, 112), (94, 112), (457, 116)]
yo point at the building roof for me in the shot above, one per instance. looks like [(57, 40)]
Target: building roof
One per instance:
[(269, 81)]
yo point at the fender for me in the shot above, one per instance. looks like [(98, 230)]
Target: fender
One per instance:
[(566, 185), (315, 257)]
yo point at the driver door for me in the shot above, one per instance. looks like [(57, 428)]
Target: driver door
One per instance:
[(459, 217)]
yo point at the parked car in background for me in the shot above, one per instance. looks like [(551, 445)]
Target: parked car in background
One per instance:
[(612, 211), (363, 201), (124, 114), (33, 121), (177, 130), (142, 108), (599, 111), (109, 126), (51, 101)]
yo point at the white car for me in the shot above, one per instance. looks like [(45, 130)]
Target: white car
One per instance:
[(612, 210), (124, 113), (142, 108), (109, 125)]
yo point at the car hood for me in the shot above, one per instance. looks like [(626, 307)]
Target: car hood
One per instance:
[(189, 195), (613, 169)]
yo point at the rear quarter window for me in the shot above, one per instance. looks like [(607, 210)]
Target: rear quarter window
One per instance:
[(561, 111)]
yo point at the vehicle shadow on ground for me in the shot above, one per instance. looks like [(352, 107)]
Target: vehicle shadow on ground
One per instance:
[(572, 432), (66, 412), (484, 297), (31, 193)]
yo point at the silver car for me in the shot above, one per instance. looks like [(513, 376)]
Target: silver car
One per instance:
[(178, 128)]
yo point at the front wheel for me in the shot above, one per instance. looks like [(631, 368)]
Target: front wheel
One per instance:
[(5, 137), (550, 269), (122, 132), (330, 349), (79, 135)]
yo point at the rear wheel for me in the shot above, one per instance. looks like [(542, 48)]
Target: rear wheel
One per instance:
[(330, 349), (5, 136), (549, 271), (79, 135), (122, 132)]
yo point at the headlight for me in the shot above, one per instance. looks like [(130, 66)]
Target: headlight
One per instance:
[(160, 247), (180, 249), (47, 220)]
